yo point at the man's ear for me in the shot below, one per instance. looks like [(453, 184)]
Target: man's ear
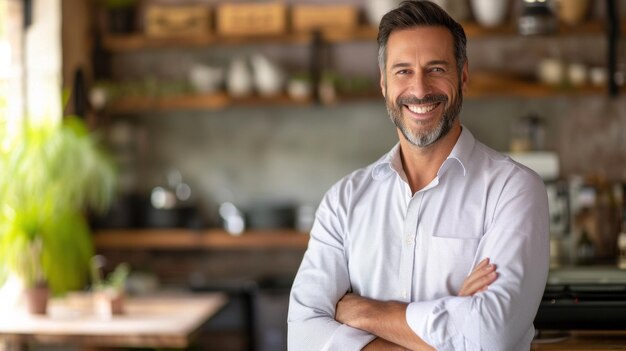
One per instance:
[(382, 83), (465, 77)]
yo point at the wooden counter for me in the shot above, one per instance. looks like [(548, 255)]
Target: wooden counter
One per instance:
[(585, 340), (170, 321)]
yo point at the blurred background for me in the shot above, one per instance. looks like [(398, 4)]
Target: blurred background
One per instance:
[(227, 121)]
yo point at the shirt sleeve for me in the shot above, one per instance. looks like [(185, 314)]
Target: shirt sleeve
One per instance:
[(321, 281), (501, 317)]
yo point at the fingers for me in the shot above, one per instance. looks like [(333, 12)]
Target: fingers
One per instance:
[(478, 284), (481, 277), (482, 264)]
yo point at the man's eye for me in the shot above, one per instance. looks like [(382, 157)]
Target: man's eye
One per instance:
[(403, 72), (437, 69)]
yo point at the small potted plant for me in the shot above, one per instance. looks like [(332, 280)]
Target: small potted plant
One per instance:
[(108, 292), (51, 173)]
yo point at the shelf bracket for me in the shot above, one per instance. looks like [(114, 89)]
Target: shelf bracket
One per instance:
[(613, 39), (315, 65)]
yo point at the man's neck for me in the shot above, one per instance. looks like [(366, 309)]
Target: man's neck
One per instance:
[(421, 164)]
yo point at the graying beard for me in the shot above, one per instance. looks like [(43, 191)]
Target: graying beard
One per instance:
[(442, 129)]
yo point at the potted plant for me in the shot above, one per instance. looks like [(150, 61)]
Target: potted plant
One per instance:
[(50, 174), (108, 293)]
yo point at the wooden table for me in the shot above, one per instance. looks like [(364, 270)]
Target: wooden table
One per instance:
[(164, 321), (585, 340)]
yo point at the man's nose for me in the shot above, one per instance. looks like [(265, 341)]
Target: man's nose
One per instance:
[(420, 86)]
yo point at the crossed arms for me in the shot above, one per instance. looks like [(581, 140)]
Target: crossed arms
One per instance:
[(387, 319)]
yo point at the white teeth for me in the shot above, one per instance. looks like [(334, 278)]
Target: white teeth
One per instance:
[(421, 109)]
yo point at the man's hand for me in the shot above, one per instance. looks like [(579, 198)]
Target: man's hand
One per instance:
[(481, 277)]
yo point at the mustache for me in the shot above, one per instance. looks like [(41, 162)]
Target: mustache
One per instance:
[(428, 99)]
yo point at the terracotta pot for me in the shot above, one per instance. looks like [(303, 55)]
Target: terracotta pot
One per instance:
[(572, 12), (37, 299)]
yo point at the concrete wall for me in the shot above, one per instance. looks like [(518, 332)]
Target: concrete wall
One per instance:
[(249, 155)]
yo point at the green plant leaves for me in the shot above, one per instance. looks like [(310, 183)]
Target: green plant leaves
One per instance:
[(48, 178)]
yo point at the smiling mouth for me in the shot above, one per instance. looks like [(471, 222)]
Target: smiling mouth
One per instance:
[(422, 109)]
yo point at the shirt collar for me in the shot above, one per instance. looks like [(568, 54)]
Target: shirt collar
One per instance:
[(460, 152), (389, 163), (392, 161)]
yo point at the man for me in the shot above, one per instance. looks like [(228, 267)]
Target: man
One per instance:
[(403, 252)]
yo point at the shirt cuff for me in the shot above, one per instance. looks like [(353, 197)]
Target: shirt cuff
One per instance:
[(438, 321), (346, 338)]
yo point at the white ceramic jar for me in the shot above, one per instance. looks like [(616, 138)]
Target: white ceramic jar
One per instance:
[(490, 13), (239, 79), (268, 77), (376, 9)]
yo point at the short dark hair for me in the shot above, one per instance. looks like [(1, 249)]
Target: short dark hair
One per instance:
[(415, 13)]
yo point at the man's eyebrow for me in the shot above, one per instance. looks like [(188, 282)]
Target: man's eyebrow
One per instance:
[(400, 65), (429, 63), (438, 63)]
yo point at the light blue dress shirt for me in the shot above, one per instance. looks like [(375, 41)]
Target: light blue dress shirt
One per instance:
[(373, 237)]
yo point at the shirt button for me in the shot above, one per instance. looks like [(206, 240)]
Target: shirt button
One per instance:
[(409, 240), (404, 294)]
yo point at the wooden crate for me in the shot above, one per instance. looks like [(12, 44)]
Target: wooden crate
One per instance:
[(179, 20), (311, 17), (252, 18)]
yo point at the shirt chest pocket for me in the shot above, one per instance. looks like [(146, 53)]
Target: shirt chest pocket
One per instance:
[(452, 256)]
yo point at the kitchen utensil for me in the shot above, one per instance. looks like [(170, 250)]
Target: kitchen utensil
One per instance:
[(271, 216), (537, 18)]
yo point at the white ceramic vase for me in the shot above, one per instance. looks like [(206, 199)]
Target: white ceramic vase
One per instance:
[(490, 13), (239, 78), (268, 77), (376, 9)]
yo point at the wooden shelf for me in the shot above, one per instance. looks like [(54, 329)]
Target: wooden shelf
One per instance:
[(132, 42), (474, 30), (484, 84), (197, 101), (480, 86), (185, 239), (139, 41)]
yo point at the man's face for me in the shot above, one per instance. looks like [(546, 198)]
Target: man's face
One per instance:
[(422, 87)]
